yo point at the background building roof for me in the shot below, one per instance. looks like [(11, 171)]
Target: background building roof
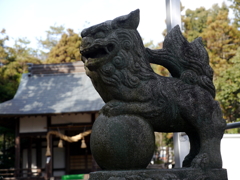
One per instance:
[(53, 89)]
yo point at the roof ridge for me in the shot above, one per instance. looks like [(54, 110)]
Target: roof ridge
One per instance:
[(63, 68)]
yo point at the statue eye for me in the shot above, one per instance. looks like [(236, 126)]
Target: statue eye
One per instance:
[(99, 35)]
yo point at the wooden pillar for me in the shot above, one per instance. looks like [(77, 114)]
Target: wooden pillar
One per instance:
[(49, 162), (67, 158), (86, 159), (4, 144), (29, 156), (39, 154), (93, 117), (17, 149), (94, 164)]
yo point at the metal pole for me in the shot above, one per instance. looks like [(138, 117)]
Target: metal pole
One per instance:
[(233, 125), (173, 13), (173, 18)]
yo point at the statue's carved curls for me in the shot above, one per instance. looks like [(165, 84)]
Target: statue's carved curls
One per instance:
[(119, 66)]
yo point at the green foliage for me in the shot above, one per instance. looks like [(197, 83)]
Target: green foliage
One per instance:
[(7, 89), (221, 40), (168, 139), (214, 11), (3, 53), (162, 141), (67, 49), (195, 21), (236, 10), (60, 46), (6, 148), (157, 68), (233, 131), (53, 36), (160, 70), (228, 87), (14, 60)]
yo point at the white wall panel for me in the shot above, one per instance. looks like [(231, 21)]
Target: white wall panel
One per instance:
[(72, 118), (58, 173), (230, 148), (25, 158), (33, 124), (59, 158), (44, 158)]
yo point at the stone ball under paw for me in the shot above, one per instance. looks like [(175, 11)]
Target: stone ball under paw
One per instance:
[(122, 142)]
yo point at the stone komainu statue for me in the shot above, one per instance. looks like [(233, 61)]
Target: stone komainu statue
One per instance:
[(119, 66)]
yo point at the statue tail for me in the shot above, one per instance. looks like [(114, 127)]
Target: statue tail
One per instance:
[(186, 61)]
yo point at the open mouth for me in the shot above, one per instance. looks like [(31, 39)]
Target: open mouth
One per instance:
[(97, 51)]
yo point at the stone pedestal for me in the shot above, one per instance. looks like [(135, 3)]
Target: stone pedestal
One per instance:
[(161, 174)]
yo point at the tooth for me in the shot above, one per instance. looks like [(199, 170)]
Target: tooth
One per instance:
[(106, 49), (84, 59)]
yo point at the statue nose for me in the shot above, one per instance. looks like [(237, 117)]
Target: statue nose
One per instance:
[(86, 41)]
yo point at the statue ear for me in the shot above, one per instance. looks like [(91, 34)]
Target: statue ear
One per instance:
[(129, 21)]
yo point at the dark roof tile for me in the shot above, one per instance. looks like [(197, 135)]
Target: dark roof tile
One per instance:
[(53, 92)]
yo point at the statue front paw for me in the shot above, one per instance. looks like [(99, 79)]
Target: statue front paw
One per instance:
[(111, 108), (201, 161)]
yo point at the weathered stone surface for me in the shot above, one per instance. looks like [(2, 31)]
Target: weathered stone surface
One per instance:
[(173, 174), (122, 142), (119, 66)]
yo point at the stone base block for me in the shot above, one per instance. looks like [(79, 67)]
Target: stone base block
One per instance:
[(161, 174)]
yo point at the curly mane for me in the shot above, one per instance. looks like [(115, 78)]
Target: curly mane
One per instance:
[(130, 66)]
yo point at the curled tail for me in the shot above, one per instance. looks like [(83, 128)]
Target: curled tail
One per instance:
[(184, 60)]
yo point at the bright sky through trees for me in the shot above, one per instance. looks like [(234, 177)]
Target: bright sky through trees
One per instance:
[(28, 18)]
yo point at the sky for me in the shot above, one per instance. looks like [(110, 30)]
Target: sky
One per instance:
[(32, 18)]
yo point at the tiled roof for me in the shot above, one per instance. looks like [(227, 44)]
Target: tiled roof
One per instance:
[(53, 89)]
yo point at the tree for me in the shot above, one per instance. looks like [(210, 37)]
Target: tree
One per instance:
[(67, 49), (3, 53), (157, 68), (194, 22), (18, 57), (7, 88), (228, 87), (221, 40), (53, 36), (7, 142), (14, 60), (214, 11), (236, 10)]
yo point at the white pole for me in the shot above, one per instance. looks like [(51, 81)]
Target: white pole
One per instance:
[(173, 14), (173, 18)]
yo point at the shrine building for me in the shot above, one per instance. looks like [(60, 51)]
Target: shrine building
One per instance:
[(52, 97)]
